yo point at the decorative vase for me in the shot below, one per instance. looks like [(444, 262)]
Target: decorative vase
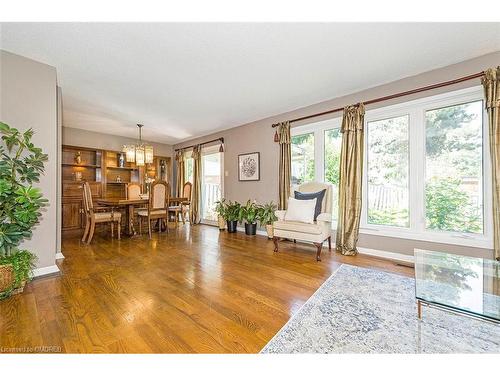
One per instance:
[(270, 231), (231, 226), (251, 229), (121, 160), (221, 222), (6, 277)]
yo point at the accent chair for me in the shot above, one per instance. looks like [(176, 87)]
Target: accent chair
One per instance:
[(316, 233)]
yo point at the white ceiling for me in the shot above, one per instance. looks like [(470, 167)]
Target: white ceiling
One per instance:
[(185, 80)]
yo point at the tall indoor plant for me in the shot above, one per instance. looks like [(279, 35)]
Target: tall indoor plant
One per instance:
[(249, 213), (231, 215), (268, 217), (21, 164)]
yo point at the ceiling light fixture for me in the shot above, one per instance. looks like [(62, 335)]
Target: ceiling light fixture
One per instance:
[(139, 153)]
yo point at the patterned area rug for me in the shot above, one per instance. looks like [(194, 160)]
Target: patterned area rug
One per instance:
[(358, 310)]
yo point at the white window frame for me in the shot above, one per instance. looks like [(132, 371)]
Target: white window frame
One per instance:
[(416, 110)]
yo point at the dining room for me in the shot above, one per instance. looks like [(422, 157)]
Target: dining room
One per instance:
[(120, 187)]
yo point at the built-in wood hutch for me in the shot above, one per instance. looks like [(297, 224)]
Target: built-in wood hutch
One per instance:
[(107, 173)]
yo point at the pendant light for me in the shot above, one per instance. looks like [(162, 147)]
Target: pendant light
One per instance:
[(139, 153)]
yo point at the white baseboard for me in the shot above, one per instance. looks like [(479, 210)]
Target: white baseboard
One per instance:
[(37, 272), (59, 256), (386, 254), (362, 250)]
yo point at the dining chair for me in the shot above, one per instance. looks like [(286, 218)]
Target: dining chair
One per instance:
[(183, 207), (159, 197), (97, 215), (133, 191)]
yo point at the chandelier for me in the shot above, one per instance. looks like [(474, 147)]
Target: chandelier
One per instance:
[(139, 153)]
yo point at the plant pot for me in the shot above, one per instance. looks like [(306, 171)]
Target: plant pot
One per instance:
[(250, 229), (221, 222), (270, 231), (6, 277), (20, 289), (231, 226)]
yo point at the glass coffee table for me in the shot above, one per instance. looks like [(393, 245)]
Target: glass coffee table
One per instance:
[(460, 284)]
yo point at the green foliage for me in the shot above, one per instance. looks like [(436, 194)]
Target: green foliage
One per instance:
[(21, 164), (440, 122), (392, 217), (249, 213), (220, 207), (23, 263), (333, 140), (304, 143), (267, 214), (232, 211), (448, 208)]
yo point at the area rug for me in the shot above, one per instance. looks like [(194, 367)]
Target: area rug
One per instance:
[(358, 310)]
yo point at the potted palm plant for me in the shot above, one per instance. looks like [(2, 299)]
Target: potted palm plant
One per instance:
[(21, 164), (231, 215), (268, 217), (220, 207), (249, 213)]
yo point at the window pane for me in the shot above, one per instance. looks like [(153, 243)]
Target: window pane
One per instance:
[(454, 173), (333, 143), (210, 185), (302, 158), (388, 202), (188, 165)]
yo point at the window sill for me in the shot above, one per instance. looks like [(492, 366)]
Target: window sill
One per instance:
[(446, 239)]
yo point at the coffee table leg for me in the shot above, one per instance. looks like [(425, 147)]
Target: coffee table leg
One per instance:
[(419, 309)]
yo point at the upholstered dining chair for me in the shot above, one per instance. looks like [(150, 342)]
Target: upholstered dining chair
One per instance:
[(96, 215), (182, 209), (159, 197), (133, 190), (318, 232)]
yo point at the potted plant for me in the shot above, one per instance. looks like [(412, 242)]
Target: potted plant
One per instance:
[(21, 164), (268, 217), (220, 207), (231, 215), (250, 213)]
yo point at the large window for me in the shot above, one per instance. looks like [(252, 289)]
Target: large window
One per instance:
[(388, 157), (454, 168), (425, 171), (302, 158)]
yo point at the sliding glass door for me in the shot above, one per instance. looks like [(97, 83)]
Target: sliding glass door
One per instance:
[(212, 164)]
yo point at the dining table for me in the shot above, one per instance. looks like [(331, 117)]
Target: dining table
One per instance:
[(129, 205)]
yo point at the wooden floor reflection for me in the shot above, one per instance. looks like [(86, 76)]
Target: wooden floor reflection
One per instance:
[(193, 290)]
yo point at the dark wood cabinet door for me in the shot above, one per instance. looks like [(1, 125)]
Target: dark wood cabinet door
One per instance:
[(71, 215)]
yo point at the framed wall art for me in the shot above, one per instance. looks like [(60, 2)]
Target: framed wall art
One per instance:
[(249, 166)]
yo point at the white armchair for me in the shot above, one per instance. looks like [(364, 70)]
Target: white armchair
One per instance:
[(316, 233)]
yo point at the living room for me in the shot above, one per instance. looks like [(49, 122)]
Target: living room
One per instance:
[(222, 187)]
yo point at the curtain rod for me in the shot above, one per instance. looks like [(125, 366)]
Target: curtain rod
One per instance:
[(221, 139), (393, 96)]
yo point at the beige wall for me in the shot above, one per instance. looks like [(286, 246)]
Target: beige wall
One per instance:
[(85, 138), (28, 99), (258, 136)]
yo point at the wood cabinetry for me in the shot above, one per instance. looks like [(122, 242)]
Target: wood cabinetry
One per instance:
[(79, 164)]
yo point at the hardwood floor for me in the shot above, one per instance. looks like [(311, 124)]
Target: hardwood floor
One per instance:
[(191, 291)]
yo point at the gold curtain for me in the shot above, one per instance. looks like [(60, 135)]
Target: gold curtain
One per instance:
[(285, 164), (196, 193), (351, 178), (491, 86), (180, 176)]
